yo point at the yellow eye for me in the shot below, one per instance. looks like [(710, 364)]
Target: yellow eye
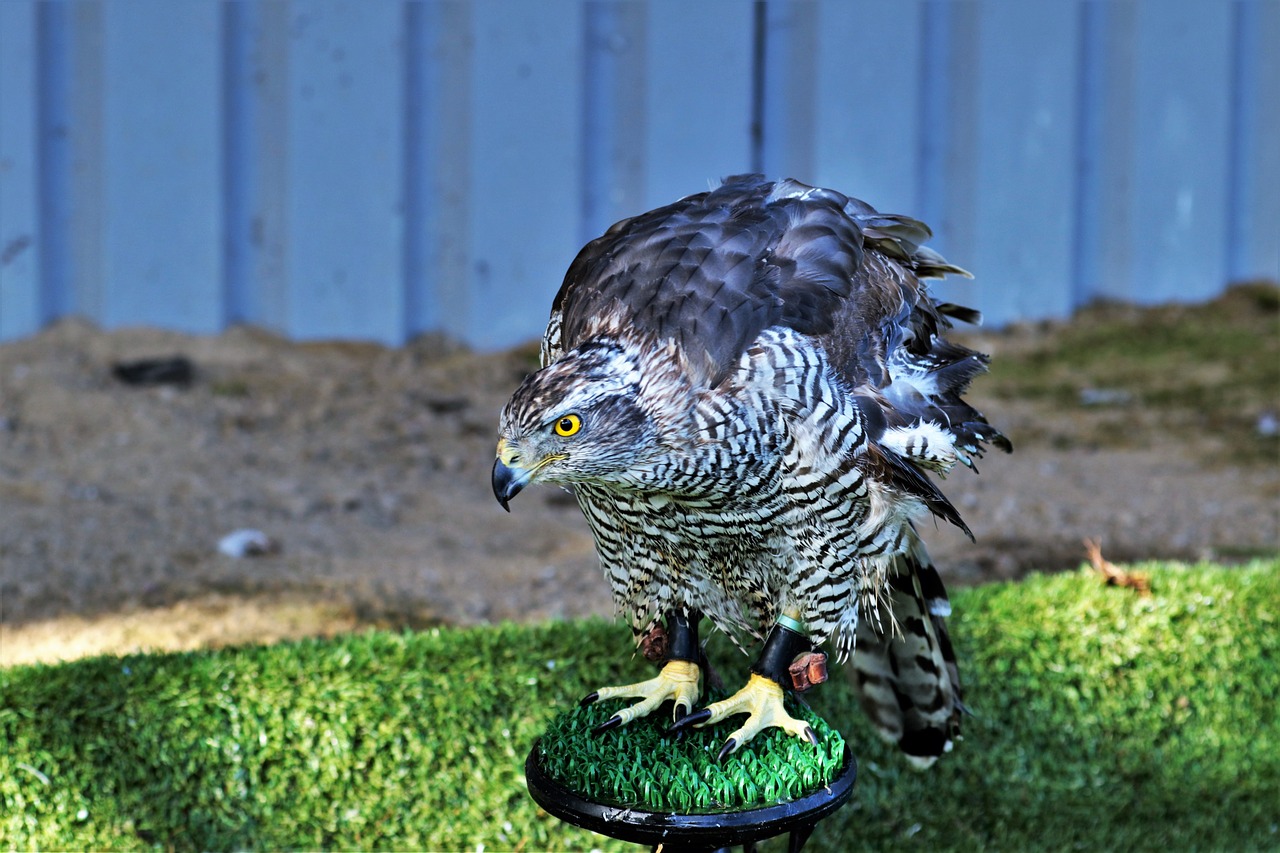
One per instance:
[(568, 425)]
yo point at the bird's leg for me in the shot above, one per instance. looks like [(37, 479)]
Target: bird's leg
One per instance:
[(678, 680), (762, 697)]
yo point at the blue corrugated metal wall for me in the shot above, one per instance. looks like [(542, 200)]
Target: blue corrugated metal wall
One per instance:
[(378, 169)]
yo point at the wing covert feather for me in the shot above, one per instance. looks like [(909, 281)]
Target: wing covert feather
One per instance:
[(713, 270)]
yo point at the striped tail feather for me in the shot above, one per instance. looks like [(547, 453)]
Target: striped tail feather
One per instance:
[(906, 674)]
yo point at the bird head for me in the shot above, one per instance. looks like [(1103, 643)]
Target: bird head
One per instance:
[(577, 420)]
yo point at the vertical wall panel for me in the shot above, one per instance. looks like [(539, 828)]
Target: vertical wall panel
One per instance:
[(1253, 249), (21, 311), (1180, 175), (526, 183), (699, 95), (439, 99), (1090, 142), (614, 113), (790, 89), (345, 213), (255, 64), (1026, 170), (162, 258), (948, 119), (1108, 140), (868, 85), (70, 159)]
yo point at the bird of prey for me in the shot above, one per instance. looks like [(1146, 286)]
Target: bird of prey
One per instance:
[(746, 391)]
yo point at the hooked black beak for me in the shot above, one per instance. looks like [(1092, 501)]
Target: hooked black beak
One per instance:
[(507, 482), (509, 476)]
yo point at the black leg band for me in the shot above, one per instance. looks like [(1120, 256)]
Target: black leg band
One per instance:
[(682, 636), (779, 651)]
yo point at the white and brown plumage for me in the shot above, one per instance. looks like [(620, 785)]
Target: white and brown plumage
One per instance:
[(745, 390)]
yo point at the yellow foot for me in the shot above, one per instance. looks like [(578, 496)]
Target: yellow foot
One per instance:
[(762, 700), (678, 681)]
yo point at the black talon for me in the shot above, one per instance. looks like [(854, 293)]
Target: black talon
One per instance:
[(810, 735), (611, 723), (690, 720), (728, 747), (589, 698), (678, 713)]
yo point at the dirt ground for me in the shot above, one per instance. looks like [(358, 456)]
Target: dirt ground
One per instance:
[(368, 467)]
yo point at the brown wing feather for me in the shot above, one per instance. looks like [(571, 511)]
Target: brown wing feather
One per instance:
[(715, 269)]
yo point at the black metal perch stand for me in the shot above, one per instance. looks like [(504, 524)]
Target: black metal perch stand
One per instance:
[(693, 833)]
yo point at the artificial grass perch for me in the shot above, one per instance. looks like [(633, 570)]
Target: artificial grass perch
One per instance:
[(646, 767)]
